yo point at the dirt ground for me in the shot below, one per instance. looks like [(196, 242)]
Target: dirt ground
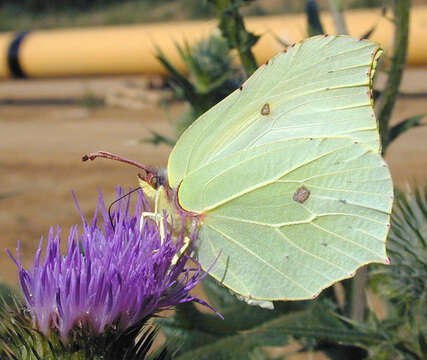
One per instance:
[(43, 136)]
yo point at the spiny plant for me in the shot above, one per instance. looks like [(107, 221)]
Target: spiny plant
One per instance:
[(403, 284), (95, 301), (212, 77), (20, 340)]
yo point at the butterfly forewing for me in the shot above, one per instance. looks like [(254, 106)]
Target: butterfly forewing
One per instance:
[(318, 88)]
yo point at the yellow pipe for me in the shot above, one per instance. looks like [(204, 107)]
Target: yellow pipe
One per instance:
[(5, 41), (131, 49)]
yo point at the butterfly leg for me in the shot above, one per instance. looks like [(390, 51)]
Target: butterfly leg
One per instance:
[(157, 217), (181, 251)]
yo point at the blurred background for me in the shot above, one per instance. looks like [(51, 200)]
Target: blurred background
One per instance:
[(118, 97), (44, 14)]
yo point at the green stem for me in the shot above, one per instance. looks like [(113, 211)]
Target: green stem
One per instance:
[(248, 61), (233, 29), (401, 9), (358, 296), (337, 10), (401, 13), (313, 19)]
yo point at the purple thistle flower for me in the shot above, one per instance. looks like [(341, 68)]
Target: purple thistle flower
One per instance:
[(109, 276)]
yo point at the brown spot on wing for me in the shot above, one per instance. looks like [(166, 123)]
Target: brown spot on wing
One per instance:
[(265, 109), (301, 195)]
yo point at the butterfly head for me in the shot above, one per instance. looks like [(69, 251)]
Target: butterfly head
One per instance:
[(154, 178)]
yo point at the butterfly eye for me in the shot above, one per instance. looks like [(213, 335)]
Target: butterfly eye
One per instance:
[(154, 182)]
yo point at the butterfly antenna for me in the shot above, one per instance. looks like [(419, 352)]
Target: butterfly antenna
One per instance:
[(111, 156), (120, 198)]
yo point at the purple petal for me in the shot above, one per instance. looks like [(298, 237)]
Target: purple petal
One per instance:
[(121, 274)]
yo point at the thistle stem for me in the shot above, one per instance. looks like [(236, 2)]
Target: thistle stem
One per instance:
[(401, 10)]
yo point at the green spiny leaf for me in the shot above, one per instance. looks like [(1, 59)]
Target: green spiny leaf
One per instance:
[(403, 126), (233, 29), (157, 139), (314, 25)]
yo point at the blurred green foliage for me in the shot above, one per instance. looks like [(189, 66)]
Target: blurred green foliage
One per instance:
[(365, 3), (7, 295), (35, 14), (407, 248), (198, 6), (58, 5), (89, 100), (212, 76)]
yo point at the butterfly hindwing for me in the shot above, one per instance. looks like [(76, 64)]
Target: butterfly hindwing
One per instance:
[(292, 220)]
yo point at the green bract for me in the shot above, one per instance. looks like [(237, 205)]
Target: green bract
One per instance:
[(286, 173)]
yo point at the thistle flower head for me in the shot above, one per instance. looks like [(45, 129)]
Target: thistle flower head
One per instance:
[(110, 276)]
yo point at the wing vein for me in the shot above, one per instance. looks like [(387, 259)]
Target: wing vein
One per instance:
[(259, 258), (265, 183), (347, 240), (292, 243)]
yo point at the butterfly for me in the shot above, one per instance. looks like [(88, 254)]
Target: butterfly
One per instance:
[(285, 175)]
